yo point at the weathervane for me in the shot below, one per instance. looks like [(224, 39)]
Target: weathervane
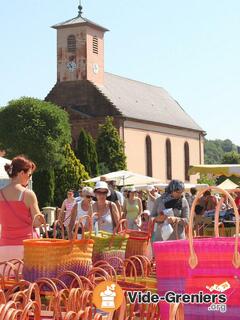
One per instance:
[(80, 8)]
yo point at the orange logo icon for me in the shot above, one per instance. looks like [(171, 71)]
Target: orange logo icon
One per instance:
[(108, 296)]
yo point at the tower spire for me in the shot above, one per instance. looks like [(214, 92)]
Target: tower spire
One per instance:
[(80, 8)]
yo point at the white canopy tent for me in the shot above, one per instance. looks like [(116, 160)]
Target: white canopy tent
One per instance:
[(228, 185), (162, 186), (4, 179), (124, 178)]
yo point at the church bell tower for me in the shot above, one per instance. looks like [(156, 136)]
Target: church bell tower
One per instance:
[(80, 50)]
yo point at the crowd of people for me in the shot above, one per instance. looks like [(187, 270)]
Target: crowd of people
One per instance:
[(164, 214), (139, 208)]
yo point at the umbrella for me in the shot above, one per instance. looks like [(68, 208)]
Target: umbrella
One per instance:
[(123, 178), (217, 169), (188, 186), (228, 185), (3, 173)]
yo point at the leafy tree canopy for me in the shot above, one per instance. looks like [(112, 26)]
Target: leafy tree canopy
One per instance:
[(110, 147), (36, 128)]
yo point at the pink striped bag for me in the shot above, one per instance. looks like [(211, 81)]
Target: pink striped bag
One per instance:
[(214, 270), (209, 258)]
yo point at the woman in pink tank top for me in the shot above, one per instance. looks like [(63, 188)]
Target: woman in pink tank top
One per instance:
[(18, 206)]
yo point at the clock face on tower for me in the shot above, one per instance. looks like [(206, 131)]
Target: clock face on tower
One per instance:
[(71, 66)]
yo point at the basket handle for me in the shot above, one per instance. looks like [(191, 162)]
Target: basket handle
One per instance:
[(56, 223), (116, 259), (74, 299), (126, 262), (5, 309), (72, 275), (41, 218), (147, 264), (34, 289), (193, 259), (144, 263), (2, 297), (80, 223), (143, 274), (101, 263), (49, 283), (100, 271), (176, 311), (88, 282)]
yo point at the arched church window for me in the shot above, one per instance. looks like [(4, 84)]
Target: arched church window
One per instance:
[(149, 156), (169, 159), (186, 160), (71, 43)]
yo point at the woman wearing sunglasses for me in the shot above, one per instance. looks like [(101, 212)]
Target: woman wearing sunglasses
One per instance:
[(81, 209), (18, 207), (107, 217)]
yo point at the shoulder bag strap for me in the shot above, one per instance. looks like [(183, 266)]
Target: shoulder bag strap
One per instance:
[(112, 215)]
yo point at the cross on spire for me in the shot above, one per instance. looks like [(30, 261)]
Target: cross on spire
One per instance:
[(80, 8)]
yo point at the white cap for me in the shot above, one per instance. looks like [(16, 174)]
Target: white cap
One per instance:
[(87, 191), (102, 185), (146, 212), (132, 189)]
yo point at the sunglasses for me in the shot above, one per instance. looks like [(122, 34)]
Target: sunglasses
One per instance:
[(29, 174), (88, 197), (102, 192)]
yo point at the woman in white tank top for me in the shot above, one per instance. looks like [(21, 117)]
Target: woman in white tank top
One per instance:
[(108, 215), (81, 208)]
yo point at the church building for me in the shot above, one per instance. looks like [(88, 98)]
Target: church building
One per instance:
[(160, 138)]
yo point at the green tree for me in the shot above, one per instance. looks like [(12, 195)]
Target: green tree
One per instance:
[(44, 186), (39, 130), (70, 176), (207, 179), (87, 154), (36, 128), (215, 150), (231, 158), (228, 146), (110, 147)]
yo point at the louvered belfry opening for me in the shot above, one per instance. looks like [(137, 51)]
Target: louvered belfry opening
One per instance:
[(71, 43), (95, 44)]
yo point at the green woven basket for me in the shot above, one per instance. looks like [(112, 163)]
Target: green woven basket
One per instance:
[(106, 246)]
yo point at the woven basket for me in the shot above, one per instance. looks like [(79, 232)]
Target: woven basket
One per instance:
[(45, 257), (79, 259), (108, 245), (138, 242)]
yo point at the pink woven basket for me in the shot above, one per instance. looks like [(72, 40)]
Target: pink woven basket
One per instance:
[(209, 258)]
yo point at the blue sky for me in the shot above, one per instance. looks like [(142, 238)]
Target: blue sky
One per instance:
[(189, 47)]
